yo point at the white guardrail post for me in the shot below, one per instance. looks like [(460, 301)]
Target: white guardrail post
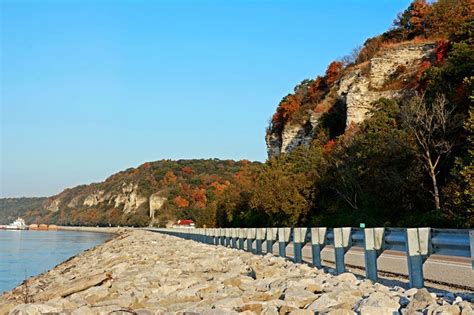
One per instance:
[(222, 237), (373, 247), (418, 246), (342, 243), (318, 241), (227, 237), (234, 235), (251, 234), (283, 240), (242, 237), (260, 236), (299, 240), (218, 236), (272, 234)]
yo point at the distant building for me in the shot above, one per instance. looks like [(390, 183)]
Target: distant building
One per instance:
[(186, 224)]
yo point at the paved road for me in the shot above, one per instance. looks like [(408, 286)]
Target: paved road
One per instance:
[(455, 271)]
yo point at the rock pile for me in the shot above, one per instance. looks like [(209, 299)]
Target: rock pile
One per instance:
[(141, 272)]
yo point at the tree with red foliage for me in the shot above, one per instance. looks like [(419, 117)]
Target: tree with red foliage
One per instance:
[(412, 21), (333, 72), (317, 89), (329, 146), (199, 195), (287, 107), (441, 50), (187, 170)]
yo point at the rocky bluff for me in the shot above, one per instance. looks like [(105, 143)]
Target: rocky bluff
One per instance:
[(387, 74)]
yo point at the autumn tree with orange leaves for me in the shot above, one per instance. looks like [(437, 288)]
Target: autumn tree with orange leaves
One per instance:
[(180, 202)]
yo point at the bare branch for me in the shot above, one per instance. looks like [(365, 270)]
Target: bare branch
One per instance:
[(429, 125)]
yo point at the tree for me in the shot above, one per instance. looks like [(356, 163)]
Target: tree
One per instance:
[(169, 178), (287, 107), (372, 174), (459, 192), (412, 21), (447, 16), (181, 202), (333, 72), (283, 195), (429, 125)]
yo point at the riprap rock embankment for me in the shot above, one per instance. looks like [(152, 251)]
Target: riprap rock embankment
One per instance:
[(142, 272)]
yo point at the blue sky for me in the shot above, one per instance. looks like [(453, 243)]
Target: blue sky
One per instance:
[(89, 88)]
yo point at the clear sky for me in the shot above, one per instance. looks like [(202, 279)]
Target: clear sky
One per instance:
[(89, 88)]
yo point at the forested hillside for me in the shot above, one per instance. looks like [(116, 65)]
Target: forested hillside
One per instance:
[(11, 208), (385, 137), (154, 193)]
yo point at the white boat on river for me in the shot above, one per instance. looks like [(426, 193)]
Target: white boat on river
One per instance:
[(18, 224)]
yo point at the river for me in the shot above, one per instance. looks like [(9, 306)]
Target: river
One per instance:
[(28, 253)]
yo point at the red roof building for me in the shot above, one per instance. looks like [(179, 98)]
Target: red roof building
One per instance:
[(184, 224)]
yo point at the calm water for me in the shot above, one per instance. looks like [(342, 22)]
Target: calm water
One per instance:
[(27, 253)]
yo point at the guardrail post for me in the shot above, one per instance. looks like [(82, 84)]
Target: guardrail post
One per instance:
[(234, 235), (227, 237), (299, 240), (272, 234), (259, 239), (418, 246), (342, 242), (283, 240), (318, 241), (471, 242), (218, 236), (222, 237), (242, 236), (373, 247), (251, 234), (212, 236)]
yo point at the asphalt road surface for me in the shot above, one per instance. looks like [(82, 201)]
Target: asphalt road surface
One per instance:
[(447, 270)]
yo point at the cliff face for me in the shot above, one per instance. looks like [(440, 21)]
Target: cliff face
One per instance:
[(387, 75)]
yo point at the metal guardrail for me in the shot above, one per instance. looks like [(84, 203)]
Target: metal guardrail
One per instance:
[(418, 243)]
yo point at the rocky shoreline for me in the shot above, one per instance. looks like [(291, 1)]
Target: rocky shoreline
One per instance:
[(140, 272), (110, 230)]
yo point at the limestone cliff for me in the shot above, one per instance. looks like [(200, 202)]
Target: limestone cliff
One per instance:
[(387, 75)]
